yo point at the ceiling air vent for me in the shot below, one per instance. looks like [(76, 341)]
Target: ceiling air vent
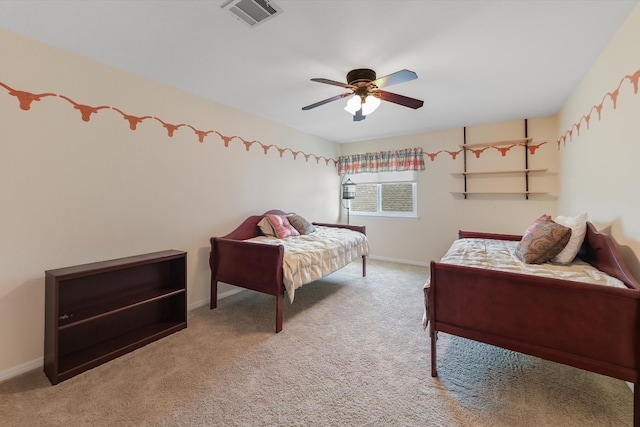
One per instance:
[(253, 12)]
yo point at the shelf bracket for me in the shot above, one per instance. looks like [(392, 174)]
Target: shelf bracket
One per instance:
[(464, 154), (526, 160)]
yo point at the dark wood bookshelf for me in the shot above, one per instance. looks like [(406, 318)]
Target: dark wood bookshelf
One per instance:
[(99, 311)]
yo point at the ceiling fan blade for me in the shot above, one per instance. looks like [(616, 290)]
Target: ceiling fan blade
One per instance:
[(333, 82), (395, 78), (357, 117), (400, 99), (326, 101)]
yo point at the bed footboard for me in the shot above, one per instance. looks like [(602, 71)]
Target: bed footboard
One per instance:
[(587, 326), (249, 265)]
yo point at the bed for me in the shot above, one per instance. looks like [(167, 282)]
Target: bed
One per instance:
[(249, 259), (584, 325)]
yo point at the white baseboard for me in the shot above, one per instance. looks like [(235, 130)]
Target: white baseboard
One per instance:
[(197, 304), (39, 362), (400, 261), (21, 369), (229, 293), (223, 295)]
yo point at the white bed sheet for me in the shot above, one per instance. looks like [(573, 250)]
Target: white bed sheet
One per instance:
[(310, 257), (500, 255)]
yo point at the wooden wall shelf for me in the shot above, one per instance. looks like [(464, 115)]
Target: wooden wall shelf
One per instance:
[(498, 172), (525, 171), (498, 192), (523, 141)]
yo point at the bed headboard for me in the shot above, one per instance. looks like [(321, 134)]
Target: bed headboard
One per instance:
[(599, 250), (249, 227)]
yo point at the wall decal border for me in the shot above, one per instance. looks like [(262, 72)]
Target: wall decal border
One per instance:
[(26, 99), (478, 152), (612, 95), (634, 80)]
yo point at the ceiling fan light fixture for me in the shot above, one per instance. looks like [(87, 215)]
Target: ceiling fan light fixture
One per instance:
[(370, 104), (366, 93), (353, 105)]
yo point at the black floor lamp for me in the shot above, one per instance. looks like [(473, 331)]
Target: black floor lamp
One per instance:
[(348, 193)]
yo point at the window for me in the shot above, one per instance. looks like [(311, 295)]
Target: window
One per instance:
[(385, 194)]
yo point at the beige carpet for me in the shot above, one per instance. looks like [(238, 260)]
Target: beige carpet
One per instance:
[(352, 353)]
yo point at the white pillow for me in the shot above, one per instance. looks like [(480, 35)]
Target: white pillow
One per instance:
[(266, 228), (578, 225)]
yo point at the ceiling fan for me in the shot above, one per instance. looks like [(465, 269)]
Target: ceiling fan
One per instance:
[(365, 88)]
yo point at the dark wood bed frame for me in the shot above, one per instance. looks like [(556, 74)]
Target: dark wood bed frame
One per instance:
[(591, 327), (252, 265)]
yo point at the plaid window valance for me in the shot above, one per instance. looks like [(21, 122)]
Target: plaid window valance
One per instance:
[(409, 159)]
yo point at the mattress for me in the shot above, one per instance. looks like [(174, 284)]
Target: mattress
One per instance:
[(313, 256)]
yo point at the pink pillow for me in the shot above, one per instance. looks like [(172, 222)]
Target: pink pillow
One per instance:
[(533, 225), (282, 226)]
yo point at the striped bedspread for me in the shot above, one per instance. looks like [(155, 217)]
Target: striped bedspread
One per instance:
[(310, 257)]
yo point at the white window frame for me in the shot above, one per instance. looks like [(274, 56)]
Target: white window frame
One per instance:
[(378, 179)]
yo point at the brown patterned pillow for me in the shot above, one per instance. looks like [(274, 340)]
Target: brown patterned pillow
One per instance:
[(302, 225), (542, 242)]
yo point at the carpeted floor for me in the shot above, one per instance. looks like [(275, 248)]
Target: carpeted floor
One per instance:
[(352, 353)]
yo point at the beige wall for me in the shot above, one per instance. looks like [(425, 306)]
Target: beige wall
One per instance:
[(599, 164), (442, 214), (77, 191)]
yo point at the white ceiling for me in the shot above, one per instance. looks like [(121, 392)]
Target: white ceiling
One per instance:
[(477, 61)]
